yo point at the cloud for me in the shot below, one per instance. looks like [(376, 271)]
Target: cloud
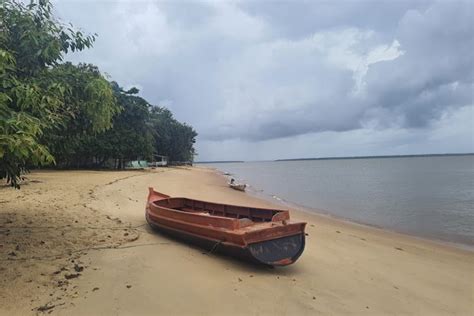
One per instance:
[(256, 73), (418, 86), (281, 87), (451, 133)]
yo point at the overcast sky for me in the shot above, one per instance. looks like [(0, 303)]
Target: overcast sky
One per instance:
[(284, 79)]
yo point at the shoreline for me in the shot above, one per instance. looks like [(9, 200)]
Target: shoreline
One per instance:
[(345, 268), (260, 193), (319, 212)]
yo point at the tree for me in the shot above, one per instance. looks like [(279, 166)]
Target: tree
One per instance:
[(90, 105), (172, 138), (139, 131), (130, 138), (33, 96)]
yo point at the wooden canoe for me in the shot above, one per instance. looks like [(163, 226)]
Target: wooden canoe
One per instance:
[(265, 236)]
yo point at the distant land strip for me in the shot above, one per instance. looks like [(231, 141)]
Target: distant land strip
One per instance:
[(376, 157), (347, 157), (220, 161)]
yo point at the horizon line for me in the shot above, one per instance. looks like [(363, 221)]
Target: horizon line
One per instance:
[(339, 157)]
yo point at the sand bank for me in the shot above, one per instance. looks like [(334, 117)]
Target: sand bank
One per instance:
[(78, 241)]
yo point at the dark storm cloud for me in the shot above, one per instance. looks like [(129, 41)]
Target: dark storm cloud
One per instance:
[(305, 18), (253, 71), (437, 70)]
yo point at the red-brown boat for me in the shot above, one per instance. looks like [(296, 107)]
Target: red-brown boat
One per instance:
[(257, 234)]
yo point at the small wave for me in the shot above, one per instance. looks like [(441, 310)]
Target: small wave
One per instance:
[(276, 197)]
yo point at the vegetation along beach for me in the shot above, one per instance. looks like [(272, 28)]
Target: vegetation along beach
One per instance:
[(236, 158)]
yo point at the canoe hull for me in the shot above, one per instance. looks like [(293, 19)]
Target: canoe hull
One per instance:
[(261, 235), (276, 252)]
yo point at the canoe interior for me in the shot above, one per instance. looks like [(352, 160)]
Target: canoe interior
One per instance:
[(216, 209)]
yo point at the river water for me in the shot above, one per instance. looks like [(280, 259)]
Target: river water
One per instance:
[(431, 197)]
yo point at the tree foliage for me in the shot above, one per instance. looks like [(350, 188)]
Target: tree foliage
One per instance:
[(56, 113), (129, 138), (89, 108), (33, 98), (139, 131), (172, 138)]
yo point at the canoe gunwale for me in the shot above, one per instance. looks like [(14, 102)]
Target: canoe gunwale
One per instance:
[(246, 236), (161, 196)]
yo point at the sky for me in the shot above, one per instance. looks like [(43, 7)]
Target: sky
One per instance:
[(263, 80)]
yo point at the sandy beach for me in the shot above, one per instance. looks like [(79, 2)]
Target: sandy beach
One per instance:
[(76, 243)]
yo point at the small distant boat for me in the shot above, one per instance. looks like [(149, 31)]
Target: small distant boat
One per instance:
[(238, 187), (261, 235)]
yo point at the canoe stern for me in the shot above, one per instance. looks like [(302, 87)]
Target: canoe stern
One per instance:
[(278, 252)]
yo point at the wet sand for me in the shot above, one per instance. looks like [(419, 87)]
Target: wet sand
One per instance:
[(76, 243)]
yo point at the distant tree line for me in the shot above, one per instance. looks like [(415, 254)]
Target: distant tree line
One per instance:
[(54, 113)]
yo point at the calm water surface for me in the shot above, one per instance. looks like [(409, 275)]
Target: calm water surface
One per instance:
[(431, 197)]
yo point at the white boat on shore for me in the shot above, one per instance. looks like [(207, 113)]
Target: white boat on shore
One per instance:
[(238, 187)]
